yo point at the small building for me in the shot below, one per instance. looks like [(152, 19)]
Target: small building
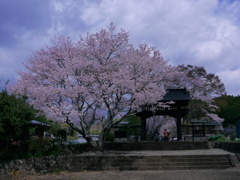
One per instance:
[(121, 130), (200, 130), (124, 132), (40, 127)]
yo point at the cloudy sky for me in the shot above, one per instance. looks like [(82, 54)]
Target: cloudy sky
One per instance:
[(197, 32)]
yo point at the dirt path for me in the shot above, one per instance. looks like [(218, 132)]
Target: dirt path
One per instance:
[(226, 174)]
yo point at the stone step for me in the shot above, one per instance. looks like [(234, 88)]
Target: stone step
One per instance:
[(156, 146), (152, 164), (153, 157), (98, 167), (149, 162), (155, 162), (184, 160)]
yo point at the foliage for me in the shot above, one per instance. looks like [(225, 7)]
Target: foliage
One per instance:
[(72, 137), (130, 130), (95, 132), (195, 108), (34, 147), (62, 134), (214, 138), (98, 78), (110, 137), (228, 108), (14, 155), (40, 146), (133, 120), (203, 87), (199, 82), (71, 134), (223, 139), (15, 117), (232, 139), (233, 136)]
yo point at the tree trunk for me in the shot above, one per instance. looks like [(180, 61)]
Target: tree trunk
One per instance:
[(86, 135), (91, 142), (101, 143), (102, 136)]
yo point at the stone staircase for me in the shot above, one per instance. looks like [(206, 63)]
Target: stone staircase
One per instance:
[(165, 162), (125, 156), (174, 145)]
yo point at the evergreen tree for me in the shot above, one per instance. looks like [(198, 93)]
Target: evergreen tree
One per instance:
[(15, 119), (229, 108)]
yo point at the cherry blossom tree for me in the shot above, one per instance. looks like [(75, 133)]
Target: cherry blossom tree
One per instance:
[(101, 77), (203, 87), (199, 82), (158, 123)]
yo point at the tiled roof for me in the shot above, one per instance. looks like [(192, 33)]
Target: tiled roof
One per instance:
[(177, 95)]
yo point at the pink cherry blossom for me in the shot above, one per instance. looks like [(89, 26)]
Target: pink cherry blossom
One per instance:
[(98, 78)]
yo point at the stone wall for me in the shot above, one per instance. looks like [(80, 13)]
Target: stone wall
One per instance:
[(195, 139), (17, 169), (228, 146), (189, 138), (21, 168)]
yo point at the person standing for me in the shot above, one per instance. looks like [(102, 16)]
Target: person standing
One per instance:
[(165, 135)]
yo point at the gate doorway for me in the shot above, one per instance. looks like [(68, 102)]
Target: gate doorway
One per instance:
[(178, 109)]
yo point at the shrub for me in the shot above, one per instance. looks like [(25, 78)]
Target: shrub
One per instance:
[(41, 146), (233, 136), (35, 147), (14, 155), (222, 139), (214, 138)]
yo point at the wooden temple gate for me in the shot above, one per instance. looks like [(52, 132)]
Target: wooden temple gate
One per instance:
[(178, 109)]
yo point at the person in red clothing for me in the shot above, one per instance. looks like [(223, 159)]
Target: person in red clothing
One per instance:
[(166, 135)]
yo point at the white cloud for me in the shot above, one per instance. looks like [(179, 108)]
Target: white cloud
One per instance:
[(185, 26), (197, 32), (58, 6), (209, 50), (231, 80), (200, 32)]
